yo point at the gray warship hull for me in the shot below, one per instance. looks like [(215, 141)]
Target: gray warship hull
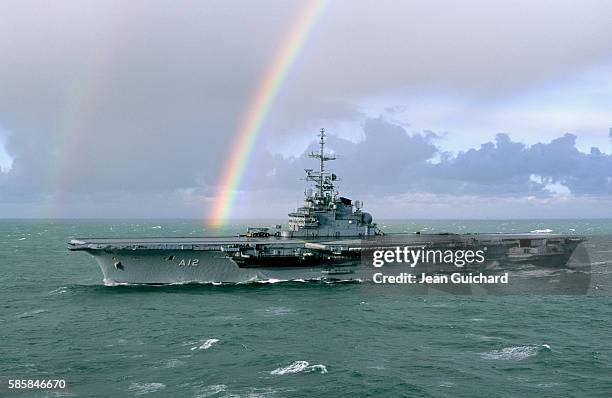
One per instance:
[(243, 259)]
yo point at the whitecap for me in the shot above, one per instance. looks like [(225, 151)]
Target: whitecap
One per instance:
[(156, 227), (22, 238), (271, 280), (295, 367), (59, 290), (542, 231), (146, 388), (320, 367), (298, 367), (212, 390), (515, 353), (205, 345)]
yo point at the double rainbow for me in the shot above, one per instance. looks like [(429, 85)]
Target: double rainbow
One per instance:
[(257, 110)]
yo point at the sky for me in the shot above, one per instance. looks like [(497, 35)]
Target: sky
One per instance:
[(436, 109)]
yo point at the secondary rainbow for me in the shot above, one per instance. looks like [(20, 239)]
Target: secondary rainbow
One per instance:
[(257, 110)]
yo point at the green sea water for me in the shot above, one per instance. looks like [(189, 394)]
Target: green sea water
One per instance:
[(289, 339)]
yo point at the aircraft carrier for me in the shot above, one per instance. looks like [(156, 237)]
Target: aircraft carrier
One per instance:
[(328, 237)]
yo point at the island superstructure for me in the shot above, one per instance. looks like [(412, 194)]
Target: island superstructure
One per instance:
[(324, 213), (328, 236)]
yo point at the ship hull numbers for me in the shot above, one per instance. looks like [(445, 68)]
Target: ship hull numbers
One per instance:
[(189, 262)]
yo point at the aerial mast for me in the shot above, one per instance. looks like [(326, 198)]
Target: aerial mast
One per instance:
[(319, 178)]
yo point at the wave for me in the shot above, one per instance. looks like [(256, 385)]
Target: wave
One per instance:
[(59, 290), (299, 367), (205, 345), (536, 273), (216, 390), (483, 337), (541, 231), (29, 314), (146, 388), (547, 385), (271, 280), (515, 353), (601, 262), (276, 311), (342, 281), (112, 283), (172, 363), (212, 390), (119, 341), (253, 282)]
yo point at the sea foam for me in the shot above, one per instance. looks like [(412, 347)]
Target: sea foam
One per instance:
[(206, 345), (299, 367), (515, 353)]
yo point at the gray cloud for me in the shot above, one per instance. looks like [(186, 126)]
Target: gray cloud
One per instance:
[(508, 167), (138, 99), (389, 160)]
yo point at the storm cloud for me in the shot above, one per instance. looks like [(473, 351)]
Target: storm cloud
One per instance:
[(105, 106), (390, 160)]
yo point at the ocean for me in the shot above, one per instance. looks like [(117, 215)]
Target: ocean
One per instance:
[(291, 339)]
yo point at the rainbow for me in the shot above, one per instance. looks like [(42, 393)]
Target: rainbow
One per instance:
[(257, 110), (82, 99)]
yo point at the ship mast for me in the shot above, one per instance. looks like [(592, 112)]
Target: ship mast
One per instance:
[(322, 180)]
